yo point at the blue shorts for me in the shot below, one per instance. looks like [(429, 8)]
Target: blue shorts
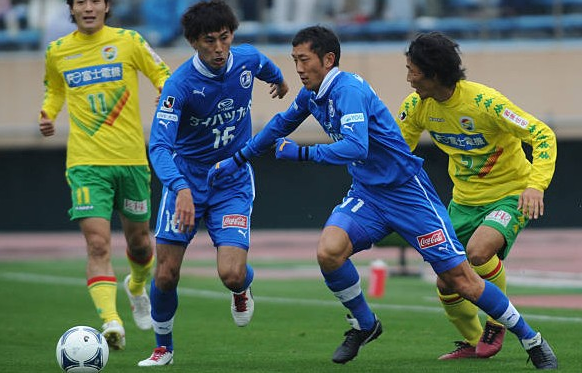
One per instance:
[(226, 208), (414, 210)]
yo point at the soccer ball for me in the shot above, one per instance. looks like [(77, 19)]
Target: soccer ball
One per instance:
[(82, 349)]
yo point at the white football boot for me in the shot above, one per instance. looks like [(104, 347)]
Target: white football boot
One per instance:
[(140, 306), (242, 307)]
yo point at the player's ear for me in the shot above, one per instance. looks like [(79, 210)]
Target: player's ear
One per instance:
[(328, 60)]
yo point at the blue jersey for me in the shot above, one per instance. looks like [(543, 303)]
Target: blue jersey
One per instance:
[(203, 117), (365, 136)]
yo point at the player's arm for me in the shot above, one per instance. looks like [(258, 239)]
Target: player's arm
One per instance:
[(544, 152), (271, 73), (411, 131), (161, 149), (281, 125), (150, 63), (351, 146), (54, 97), (279, 90), (164, 132)]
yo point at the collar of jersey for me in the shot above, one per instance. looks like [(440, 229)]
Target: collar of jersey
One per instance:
[(199, 66), (93, 36), (327, 82)]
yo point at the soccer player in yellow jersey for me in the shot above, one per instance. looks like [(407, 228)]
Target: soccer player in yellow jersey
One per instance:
[(496, 188), (95, 70)]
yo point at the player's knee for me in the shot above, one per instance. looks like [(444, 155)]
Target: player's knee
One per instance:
[(443, 288), (139, 245), (166, 278), (329, 260), (233, 278), (140, 252), (469, 287), (477, 257), (98, 247)]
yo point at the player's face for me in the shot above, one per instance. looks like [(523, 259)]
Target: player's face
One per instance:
[(213, 48), (89, 15), (425, 87), (310, 68)]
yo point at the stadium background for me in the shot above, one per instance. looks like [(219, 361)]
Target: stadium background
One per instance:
[(538, 67), (528, 49)]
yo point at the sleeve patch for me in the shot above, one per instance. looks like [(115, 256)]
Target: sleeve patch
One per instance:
[(514, 118), (166, 116), (352, 118)]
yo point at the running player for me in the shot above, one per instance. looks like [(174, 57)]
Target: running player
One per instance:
[(95, 70), (203, 117), (390, 192), (496, 189)]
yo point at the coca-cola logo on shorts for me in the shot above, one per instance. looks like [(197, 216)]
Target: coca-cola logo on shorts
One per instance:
[(431, 239), (235, 221)]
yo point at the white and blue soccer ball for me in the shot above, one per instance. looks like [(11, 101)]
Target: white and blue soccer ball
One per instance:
[(82, 349)]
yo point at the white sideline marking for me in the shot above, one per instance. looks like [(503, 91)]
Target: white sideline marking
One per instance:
[(60, 280)]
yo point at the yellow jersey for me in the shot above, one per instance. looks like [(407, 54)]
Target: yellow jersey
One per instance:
[(97, 76), (482, 133)]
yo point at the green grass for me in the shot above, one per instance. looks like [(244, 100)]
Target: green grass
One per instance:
[(296, 327)]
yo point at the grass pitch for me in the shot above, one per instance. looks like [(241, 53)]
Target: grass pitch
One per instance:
[(296, 327)]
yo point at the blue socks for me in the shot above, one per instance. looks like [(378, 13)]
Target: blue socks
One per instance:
[(344, 282), (497, 305), (164, 306)]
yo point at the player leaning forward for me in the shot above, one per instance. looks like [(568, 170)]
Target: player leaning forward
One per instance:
[(95, 69), (204, 116), (390, 192), (496, 189)]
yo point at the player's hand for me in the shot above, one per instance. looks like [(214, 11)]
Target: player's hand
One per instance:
[(46, 125), (279, 90), (157, 101), (288, 149), (184, 214), (225, 167), (531, 203)]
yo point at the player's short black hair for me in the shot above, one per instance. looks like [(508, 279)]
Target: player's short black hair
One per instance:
[(437, 55), (206, 17), (322, 40), (70, 4)]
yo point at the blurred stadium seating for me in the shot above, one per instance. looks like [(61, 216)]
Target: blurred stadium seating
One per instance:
[(353, 20)]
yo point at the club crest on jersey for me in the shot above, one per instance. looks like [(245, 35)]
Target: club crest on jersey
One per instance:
[(467, 123), (235, 221), (225, 105), (168, 104), (431, 239), (109, 52), (403, 116), (246, 78)]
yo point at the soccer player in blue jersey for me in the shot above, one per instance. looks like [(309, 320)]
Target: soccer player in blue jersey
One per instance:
[(390, 192), (203, 117)]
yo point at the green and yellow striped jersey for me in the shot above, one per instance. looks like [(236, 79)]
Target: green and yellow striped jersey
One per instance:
[(482, 133), (97, 76)]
